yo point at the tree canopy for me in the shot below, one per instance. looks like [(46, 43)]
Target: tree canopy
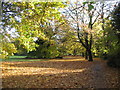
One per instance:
[(55, 29)]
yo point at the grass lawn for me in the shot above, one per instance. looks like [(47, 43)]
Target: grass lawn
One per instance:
[(21, 58), (17, 57)]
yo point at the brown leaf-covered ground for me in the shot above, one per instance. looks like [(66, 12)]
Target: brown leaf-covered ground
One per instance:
[(70, 72)]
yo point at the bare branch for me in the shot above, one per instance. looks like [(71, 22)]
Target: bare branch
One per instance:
[(76, 8), (96, 19), (70, 15)]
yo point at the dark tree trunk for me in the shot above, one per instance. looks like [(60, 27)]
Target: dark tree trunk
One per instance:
[(86, 54), (90, 58), (83, 54), (86, 43), (74, 52)]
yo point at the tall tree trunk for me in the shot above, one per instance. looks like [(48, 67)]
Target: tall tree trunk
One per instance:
[(83, 54), (89, 50), (86, 54), (74, 52), (90, 58), (86, 43)]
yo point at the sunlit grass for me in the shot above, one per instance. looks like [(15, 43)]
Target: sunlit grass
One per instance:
[(17, 57)]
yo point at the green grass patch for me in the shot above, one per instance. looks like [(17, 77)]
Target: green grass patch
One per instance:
[(21, 58), (11, 57)]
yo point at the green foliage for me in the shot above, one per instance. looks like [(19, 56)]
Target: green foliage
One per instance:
[(34, 20), (21, 50), (101, 39), (8, 49), (46, 49), (90, 6), (44, 33), (70, 47), (114, 56), (116, 21), (106, 42), (68, 44), (114, 51)]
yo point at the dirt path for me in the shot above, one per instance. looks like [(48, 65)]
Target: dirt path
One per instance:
[(98, 76), (72, 72)]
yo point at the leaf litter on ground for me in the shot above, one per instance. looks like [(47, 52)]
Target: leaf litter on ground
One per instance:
[(70, 72)]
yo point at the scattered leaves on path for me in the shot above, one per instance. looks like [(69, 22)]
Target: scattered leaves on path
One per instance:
[(72, 72)]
